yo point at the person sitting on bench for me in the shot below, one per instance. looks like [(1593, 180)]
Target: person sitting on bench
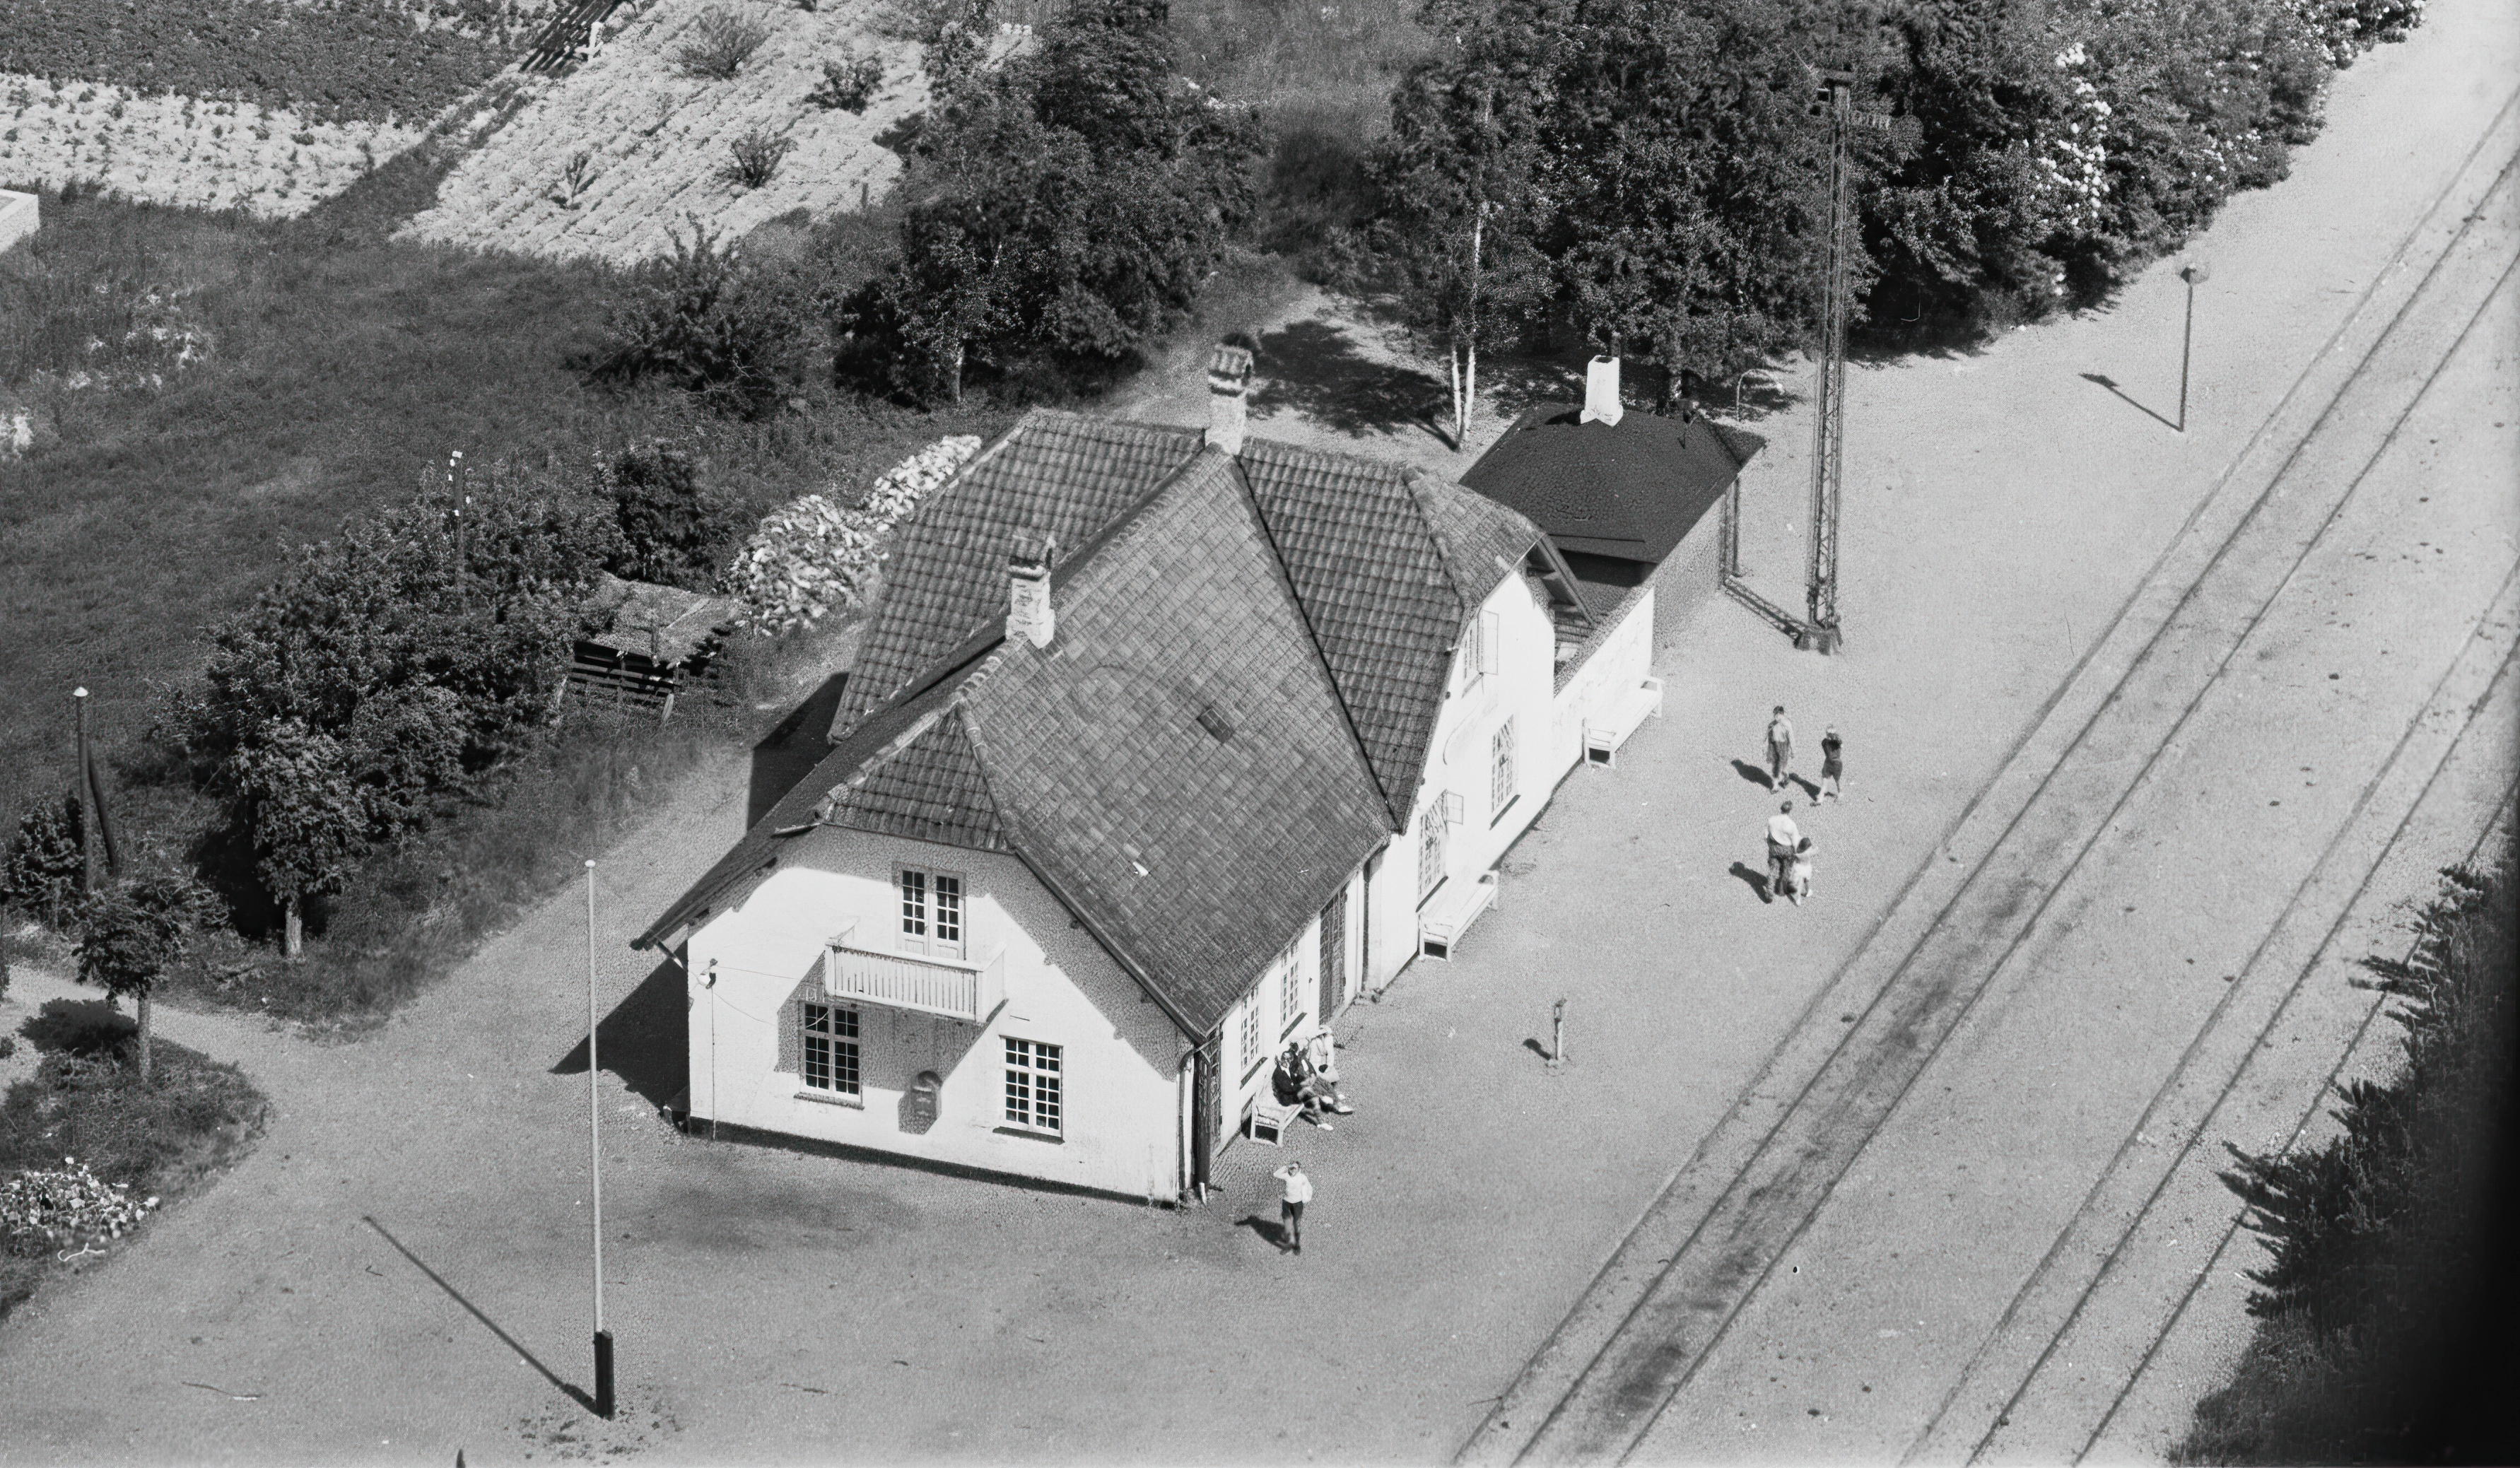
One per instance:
[(1296, 1082)]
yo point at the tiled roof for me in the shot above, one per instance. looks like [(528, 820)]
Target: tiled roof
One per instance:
[(1372, 577), (1176, 766), (1631, 490), (1385, 562), (1060, 473)]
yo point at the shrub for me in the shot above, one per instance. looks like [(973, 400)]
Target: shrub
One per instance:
[(389, 605), (754, 157), (671, 524), (720, 43), (848, 84), (703, 320), (41, 874)]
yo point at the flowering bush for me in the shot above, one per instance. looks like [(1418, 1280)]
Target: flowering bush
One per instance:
[(810, 555), (67, 1207)]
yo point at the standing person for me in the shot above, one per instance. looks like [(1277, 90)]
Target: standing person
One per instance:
[(1832, 767), (1299, 1192), (1784, 838), (1802, 869), (1780, 748)]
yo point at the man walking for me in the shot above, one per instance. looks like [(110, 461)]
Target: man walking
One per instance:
[(1784, 839), (1299, 1192), (1780, 748), (1832, 765)]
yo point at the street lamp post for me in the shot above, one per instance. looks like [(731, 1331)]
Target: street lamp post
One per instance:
[(595, 1158), (2195, 273)]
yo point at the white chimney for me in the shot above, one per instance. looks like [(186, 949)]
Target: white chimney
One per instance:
[(1601, 393), (1228, 380), (1029, 614)]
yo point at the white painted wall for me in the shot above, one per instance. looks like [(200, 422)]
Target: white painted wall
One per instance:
[(1618, 658), (1122, 1054), (1521, 688)]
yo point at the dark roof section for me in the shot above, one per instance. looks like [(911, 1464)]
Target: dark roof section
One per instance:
[(1631, 490), (1060, 473), (1176, 766), (1384, 561)]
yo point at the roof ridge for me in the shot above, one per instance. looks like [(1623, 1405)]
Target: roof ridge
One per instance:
[(1313, 637)]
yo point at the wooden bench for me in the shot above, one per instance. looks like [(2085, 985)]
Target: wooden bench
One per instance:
[(1609, 728), (1267, 1117), (1454, 908)]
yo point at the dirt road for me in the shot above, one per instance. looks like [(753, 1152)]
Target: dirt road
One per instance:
[(401, 1270)]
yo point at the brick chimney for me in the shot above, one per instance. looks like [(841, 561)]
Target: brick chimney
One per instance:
[(1029, 614), (1601, 393), (1229, 382)]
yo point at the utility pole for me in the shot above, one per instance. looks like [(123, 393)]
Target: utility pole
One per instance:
[(455, 481), (1835, 99), (595, 1158)]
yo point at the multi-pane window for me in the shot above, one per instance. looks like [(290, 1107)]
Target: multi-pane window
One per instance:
[(1032, 1085), (831, 1049), (1251, 1030), (1432, 827), (1500, 768), (1290, 991), (931, 913)]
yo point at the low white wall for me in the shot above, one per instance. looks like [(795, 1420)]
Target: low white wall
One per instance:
[(1121, 1085), (20, 215)]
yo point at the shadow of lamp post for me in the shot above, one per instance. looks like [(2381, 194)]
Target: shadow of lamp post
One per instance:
[(2195, 273)]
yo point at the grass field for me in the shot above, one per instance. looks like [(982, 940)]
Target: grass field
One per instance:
[(338, 368)]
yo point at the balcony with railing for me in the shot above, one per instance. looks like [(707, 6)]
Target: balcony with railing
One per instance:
[(948, 987)]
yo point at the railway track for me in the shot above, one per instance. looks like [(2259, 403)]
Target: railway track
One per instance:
[(1985, 905)]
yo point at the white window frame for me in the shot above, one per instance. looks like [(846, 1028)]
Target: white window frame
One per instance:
[(1290, 994), (1251, 1031), (1503, 778), (927, 903), (836, 1030), (1433, 857), (1036, 1088)]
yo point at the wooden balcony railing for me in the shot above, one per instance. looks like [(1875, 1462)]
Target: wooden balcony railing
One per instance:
[(948, 987)]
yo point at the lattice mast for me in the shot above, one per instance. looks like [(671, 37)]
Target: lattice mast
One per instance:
[(1828, 427)]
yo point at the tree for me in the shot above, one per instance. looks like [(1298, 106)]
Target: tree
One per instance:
[(135, 931), (307, 817), (1066, 207), (1692, 201), (1464, 177)]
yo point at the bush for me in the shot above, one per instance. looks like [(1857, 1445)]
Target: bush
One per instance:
[(42, 871), (2384, 1308), (704, 320), (754, 157), (671, 524), (849, 84), (720, 43), (389, 605)]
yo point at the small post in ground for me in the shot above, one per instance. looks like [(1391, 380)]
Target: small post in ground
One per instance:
[(1557, 1035), (86, 801), (595, 1158)]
